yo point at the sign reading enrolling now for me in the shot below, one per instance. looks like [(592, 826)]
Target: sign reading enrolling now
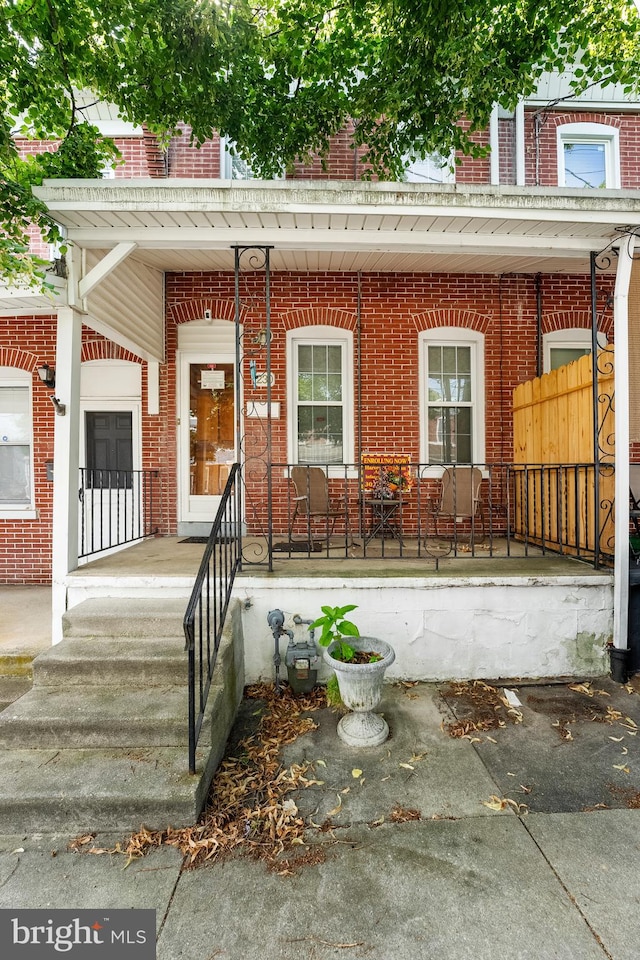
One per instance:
[(83, 934)]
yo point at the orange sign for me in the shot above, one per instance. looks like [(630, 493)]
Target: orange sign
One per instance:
[(386, 467)]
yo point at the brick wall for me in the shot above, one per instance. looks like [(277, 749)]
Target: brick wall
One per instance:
[(142, 156), (541, 151)]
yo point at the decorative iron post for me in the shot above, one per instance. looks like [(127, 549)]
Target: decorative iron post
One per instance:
[(256, 463)]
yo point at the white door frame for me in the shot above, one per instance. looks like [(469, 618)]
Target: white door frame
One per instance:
[(184, 358)]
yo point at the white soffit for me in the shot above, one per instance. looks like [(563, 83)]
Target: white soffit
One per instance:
[(182, 225)]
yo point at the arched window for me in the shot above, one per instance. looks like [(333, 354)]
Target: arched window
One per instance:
[(16, 442), (320, 391), (452, 396), (588, 155), (564, 346)]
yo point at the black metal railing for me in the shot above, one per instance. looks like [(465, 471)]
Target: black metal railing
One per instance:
[(412, 510), (209, 602), (116, 507)]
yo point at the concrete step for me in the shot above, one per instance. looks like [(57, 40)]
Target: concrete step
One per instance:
[(96, 716), (11, 688), (112, 660), (101, 740), (82, 790), (125, 617), (16, 664)]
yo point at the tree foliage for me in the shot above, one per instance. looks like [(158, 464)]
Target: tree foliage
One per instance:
[(413, 76)]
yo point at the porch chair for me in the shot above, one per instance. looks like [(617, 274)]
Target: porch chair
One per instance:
[(312, 502), (459, 499)]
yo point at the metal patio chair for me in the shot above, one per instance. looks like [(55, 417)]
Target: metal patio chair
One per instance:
[(459, 499), (312, 502)]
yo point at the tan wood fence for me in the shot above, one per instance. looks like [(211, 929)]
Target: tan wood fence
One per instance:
[(553, 426)]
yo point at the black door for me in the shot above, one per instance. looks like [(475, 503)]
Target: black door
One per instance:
[(109, 449)]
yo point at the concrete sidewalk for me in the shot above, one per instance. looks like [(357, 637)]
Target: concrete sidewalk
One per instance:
[(428, 849)]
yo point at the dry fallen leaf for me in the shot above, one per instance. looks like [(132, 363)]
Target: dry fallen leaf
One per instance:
[(335, 810), (504, 803), (407, 766), (622, 767), (356, 772)]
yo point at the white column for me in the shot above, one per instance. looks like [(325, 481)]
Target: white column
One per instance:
[(494, 140), (621, 341), (520, 155), (65, 461)]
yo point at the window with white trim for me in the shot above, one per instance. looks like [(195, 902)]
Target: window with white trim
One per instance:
[(564, 346), (588, 155), (431, 169), (16, 440), (452, 396), (232, 167), (320, 391)]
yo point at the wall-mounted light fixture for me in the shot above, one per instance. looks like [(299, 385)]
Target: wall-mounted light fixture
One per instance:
[(261, 337), (48, 376)]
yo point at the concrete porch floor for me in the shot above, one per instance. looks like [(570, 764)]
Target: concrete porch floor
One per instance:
[(173, 557)]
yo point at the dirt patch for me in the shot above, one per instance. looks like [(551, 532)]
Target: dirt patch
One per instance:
[(568, 707), (480, 707), (628, 796)]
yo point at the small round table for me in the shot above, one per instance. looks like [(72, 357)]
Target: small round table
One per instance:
[(383, 522)]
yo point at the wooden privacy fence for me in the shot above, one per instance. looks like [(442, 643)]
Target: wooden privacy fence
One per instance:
[(553, 428)]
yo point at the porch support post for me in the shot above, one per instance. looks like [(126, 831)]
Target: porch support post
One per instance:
[(66, 461), (494, 140), (621, 340), (520, 153)]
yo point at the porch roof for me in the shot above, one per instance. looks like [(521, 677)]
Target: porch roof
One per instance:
[(180, 225)]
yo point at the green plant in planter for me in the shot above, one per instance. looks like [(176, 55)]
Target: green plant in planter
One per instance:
[(334, 626)]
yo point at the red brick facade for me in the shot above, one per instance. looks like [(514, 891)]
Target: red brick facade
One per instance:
[(394, 310)]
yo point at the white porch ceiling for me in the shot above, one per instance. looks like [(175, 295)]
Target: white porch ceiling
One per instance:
[(343, 226)]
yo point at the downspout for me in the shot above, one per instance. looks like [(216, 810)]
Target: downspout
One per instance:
[(621, 383), (539, 364)]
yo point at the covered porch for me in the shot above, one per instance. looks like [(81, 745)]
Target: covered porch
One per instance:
[(128, 237)]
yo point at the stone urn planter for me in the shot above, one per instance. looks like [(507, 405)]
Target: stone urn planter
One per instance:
[(361, 689)]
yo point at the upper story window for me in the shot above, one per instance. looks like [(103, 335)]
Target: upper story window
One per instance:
[(588, 155), (432, 169), (321, 392), (232, 167), (16, 440), (565, 346), (452, 395)]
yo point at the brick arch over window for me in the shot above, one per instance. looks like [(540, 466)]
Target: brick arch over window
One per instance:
[(562, 119), (319, 317), (451, 317), (187, 310), (20, 359), (106, 350), (580, 319)]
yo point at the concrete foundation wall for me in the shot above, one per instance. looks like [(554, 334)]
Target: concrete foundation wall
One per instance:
[(467, 628)]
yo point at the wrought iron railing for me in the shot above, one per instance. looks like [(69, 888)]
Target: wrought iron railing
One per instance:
[(517, 510), (209, 602), (116, 507)]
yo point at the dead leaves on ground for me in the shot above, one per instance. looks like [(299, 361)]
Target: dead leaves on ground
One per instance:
[(248, 804), (505, 803), (488, 707)]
